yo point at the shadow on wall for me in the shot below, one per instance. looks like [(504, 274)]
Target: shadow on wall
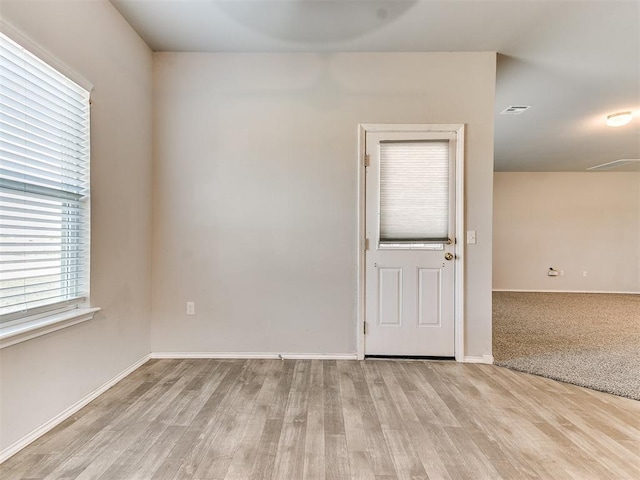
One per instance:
[(333, 21)]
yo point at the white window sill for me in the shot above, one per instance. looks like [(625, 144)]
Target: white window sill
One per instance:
[(10, 335)]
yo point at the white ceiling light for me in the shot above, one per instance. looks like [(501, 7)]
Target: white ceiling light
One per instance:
[(619, 119)]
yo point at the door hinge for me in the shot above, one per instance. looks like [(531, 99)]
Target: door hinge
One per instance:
[(366, 160), (366, 244), (364, 330)]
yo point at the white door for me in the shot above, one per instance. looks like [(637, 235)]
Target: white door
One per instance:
[(410, 247)]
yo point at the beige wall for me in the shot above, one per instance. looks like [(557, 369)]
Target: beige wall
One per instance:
[(41, 378), (256, 199), (574, 222)]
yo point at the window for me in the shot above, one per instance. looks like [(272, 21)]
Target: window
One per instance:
[(414, 192), (44, 187)]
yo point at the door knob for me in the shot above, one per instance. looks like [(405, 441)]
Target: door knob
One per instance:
[(448, 256)]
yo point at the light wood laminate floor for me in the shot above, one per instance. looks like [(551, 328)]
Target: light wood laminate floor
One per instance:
[(311, 419)]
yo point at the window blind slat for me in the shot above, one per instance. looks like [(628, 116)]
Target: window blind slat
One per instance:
[(39, 107), (57, 153), (27, 273), (14, 161), (34, 170), (42, 191), (12, 108), (63, 96), (40, 90), (33, 303), (10, 268), (36, 124), (44, 185), (33, 281), (57, 292), (10, 195), (47, 77), (13, 53), (68, 212), (60, 225), (9, 163), (35, 288), (23, 259), (42, 247), (75, 187)]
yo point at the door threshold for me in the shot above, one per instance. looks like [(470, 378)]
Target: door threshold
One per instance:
[(409, 357)]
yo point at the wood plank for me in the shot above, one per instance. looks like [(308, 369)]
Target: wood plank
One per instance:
[(290, 453), (377, 447), (353, 425), (335, 440), (314, 465)]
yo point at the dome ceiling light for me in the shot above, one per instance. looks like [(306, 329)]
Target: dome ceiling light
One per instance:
[(619, 119)]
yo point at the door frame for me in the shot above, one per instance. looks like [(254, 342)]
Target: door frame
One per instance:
[(459, 244)]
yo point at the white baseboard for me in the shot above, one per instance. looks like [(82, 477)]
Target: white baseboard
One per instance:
[(563, 291), (319, 356), (261, 355), (488, 359), (284, 356), (38, 432)]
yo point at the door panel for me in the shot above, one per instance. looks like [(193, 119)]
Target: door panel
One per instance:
[(390, 297), (430, 292), (409, 285)]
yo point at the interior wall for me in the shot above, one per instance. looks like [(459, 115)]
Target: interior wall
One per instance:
[(42, 377), (256, 191), (574, 222)]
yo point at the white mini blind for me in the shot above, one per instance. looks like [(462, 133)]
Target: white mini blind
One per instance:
[(44, 186), (414, 191)]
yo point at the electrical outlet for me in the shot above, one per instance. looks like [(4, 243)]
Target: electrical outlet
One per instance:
[(584, 274), (191, 308)]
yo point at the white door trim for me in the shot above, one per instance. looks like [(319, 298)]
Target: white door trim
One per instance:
[(459, 271)]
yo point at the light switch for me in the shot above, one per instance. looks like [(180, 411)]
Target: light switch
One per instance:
[(471, 237)]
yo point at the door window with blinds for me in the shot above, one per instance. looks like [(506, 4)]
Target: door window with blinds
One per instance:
[(44, 187), (415, 181)]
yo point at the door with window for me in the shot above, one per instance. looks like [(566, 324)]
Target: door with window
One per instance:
[(410, 246)]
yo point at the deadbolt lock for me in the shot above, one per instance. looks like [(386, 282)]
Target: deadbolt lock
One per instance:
[(448, 256)]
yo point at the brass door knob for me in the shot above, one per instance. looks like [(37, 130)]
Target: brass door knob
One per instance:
[(448, 256)]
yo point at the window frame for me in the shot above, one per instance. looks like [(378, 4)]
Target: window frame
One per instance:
[(421, 242), (17, 327)]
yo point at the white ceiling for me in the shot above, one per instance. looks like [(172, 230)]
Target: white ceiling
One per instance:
[(573, 61)]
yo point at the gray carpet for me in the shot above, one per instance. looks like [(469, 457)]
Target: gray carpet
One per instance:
[(590, 340)]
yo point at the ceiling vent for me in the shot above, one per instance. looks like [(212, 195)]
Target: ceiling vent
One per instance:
[(624, 164), (515, 109)]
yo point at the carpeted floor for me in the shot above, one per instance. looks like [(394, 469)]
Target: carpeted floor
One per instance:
[(591, 340)]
